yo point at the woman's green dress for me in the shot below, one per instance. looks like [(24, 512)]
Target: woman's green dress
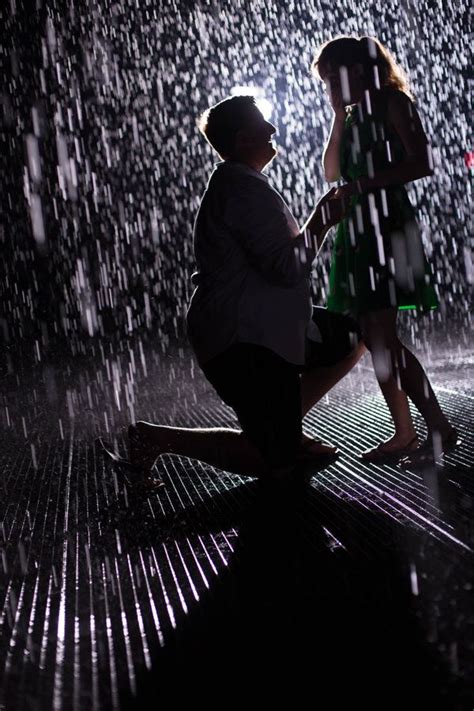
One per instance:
[(378, 259)]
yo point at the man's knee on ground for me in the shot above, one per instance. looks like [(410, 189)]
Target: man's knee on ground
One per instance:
[(358, 350), (279, 466)]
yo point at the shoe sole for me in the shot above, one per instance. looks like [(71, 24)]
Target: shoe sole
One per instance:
[(428, 459), (125, 468)]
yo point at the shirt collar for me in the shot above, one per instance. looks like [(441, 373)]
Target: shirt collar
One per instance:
[(242, 168)]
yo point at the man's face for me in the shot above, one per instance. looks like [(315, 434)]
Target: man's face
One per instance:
[(253, 143)]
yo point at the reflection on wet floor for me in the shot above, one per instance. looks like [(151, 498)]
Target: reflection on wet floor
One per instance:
[(359, 587)]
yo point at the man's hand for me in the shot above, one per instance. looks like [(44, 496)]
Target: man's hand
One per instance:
[(328, 212), (332, 207)]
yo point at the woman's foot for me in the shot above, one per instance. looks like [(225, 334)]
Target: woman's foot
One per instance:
[(397, 447), (435, 445)]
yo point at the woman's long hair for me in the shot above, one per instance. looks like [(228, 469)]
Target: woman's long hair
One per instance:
[(379, 65)]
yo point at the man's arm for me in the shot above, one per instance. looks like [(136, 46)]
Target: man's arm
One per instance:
[(257, 218), (255, 215)]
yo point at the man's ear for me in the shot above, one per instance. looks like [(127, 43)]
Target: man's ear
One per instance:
[(358, 70), (242, 138)]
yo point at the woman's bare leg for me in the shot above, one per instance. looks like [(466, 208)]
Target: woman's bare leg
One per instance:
[(378, 329), (400, 374)]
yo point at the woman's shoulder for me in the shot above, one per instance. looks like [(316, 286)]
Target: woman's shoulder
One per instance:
[(402, 118), (396, 97), (393, 106)]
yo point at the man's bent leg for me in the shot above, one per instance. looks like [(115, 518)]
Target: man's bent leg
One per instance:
[(317, 381), (226, 449), (264, 391), (267, 401)]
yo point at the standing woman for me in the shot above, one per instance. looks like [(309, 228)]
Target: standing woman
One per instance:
[(377, 144)]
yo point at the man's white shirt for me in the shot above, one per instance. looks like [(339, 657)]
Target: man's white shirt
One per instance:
[(253, 267)]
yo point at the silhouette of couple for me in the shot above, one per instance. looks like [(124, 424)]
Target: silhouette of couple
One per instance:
[(267, 351)]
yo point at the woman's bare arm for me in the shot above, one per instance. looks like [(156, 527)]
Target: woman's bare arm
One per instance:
[(331, 162)]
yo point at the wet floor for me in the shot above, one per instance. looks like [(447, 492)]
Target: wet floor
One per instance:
[(213, 590)]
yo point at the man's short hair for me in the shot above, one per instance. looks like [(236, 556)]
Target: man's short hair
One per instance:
[(221, 122)]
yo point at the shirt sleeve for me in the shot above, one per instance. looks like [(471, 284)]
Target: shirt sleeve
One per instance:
[(255, 215)]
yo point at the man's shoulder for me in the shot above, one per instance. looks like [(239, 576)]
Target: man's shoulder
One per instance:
[(239, 179), (253, 192)]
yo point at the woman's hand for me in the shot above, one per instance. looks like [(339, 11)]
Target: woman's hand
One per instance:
[(345, 192), (333, 91), (338, 107), (356, 187), (335, 99)]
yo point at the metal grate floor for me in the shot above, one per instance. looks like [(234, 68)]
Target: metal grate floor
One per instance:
[(209, 590)]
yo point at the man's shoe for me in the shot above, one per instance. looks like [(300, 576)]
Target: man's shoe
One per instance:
[(130, 472)]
